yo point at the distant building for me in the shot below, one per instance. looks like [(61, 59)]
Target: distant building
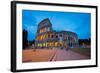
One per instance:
[(85, 43), (46, 37)]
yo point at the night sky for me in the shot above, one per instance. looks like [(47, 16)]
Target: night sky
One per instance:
[(80, 23)]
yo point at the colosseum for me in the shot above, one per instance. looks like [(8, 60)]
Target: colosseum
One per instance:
[(46, 37)]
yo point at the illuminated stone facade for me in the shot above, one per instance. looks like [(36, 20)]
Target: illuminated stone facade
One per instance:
[(46, 37)]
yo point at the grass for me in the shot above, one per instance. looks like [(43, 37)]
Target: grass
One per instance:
[(83, 51)]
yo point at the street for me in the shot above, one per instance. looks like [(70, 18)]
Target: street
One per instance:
[(62, 55), (45, 55)]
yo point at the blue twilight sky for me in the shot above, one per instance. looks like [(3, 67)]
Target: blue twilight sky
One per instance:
[(77, 22)]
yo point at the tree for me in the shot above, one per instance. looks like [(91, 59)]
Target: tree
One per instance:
[(25, 41)]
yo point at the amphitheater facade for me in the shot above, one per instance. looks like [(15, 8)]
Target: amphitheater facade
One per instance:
[(46, 37)]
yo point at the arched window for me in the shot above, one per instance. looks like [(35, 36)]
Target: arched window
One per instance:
[(48, 35), (52, 36), (56, 36), (60, 35)]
